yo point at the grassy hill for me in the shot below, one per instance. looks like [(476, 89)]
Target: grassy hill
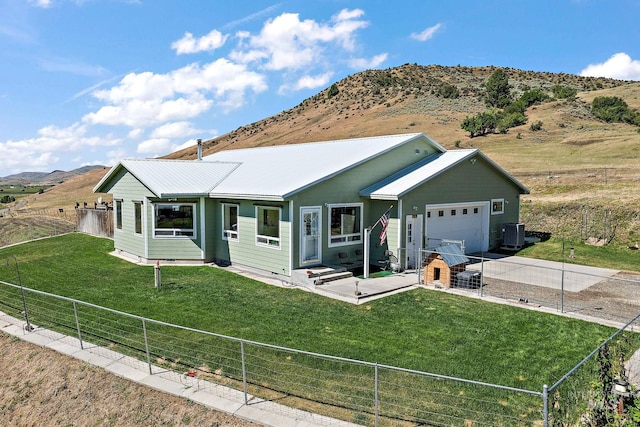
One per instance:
[(575, 165)]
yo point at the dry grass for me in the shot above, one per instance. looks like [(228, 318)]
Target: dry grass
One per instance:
[(42, 387)]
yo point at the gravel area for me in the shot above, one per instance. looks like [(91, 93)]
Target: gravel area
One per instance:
[(615, 299)]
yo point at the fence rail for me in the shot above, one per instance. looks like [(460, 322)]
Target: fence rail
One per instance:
[(344, 389)]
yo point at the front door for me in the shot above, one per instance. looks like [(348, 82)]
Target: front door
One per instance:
[(414, 241), (310, 235)]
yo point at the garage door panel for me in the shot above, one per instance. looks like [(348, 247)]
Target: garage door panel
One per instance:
[(467, 227)]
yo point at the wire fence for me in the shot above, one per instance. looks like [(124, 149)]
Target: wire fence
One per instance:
[(600, 293), (336, 388), (341, 389)]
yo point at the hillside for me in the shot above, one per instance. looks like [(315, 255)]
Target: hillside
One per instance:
[(45, 178), (574, 159)]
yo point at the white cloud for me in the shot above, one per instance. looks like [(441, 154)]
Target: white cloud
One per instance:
[(174, 130), (427, 34), (135, 133), (287, 43), (41, 152), (367, 64), (41, 3), (188, 44), (155, 147), (178, 147), (619, 66), (147, 99), (307, 82)]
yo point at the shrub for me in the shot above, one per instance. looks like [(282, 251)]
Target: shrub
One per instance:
[(564, 92), (447, 90), (333, 91), (7, 199), (534, 96), (536, 126), (614, 109)]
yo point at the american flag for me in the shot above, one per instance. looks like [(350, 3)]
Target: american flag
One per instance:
[(384, 220)]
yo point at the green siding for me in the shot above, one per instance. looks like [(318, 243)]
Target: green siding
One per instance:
[(467, 183), (245, 250), (128, 189)]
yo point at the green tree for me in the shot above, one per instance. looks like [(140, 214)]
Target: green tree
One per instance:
[(481, 124), (7, 199), (333, 91), (614, 109), (497, 92)]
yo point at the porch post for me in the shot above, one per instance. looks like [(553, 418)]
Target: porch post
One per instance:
[(367, 239)]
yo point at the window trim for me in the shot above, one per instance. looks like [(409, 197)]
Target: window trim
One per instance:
[(350, 239), (232, 235), (175, 231), (117, 207), (264, 240), (493, 206)]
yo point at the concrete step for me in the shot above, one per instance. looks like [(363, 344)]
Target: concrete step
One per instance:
[(330, 277)]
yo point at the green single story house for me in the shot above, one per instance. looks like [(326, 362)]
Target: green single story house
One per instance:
[(281, 208)]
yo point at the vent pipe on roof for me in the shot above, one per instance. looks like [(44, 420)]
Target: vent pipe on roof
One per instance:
[(199, 149)]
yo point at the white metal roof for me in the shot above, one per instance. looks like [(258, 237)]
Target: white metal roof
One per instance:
[(173, 178), (277, 172), (398, 184)]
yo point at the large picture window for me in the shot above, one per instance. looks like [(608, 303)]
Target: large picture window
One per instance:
[(174, 219), (118, 214), (229, 222), (345, 224), (137, 211), (268, 226)]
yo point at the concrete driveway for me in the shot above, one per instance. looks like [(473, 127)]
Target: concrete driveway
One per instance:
[(549, 274)]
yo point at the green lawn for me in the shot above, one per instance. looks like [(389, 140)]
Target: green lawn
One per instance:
[(419, 329), (616, 255)]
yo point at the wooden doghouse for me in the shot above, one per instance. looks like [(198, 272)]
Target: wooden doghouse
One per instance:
[(442, 264)]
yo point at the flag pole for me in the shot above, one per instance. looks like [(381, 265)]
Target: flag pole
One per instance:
[(367, 243)]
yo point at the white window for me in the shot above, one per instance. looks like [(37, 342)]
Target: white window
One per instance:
[(174, 219), (118, 209), (229, 222), (345, 224), (268, 226), (497, 206), (137, 211)]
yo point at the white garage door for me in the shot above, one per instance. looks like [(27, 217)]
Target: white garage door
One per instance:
[(468, 222)]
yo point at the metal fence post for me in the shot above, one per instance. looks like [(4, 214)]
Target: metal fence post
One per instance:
[(146, 345), (545, 405), (75, 313), (562, 291), (377, 402), (481, 274), (244, 373)]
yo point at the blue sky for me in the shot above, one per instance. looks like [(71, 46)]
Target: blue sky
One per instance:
[(93, 81)]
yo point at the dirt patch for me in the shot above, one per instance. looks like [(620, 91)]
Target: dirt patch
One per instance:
[(42, 387)]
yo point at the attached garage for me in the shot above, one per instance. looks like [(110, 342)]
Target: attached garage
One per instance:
[(467, 222)]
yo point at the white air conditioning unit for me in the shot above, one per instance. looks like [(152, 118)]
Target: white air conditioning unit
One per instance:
[(513, 236)]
